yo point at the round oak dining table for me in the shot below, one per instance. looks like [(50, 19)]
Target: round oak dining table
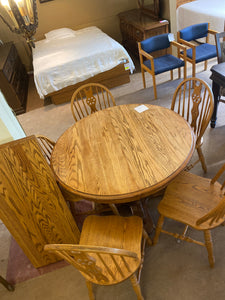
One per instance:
[(123, 153)]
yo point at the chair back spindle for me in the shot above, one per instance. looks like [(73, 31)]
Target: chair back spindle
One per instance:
[(89, 99), (193, 100)]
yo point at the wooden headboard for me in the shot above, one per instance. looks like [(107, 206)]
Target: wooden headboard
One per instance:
[(180, 2)]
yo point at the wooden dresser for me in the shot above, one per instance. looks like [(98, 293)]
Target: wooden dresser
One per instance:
[(136, 26), (13, 78)]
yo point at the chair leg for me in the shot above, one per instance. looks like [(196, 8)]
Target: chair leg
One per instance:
[(114, 209), (143, 78), (179, 73), (171, 74), (90, 290), (205, 63), (136, 287), (193, 69), (209, 247), (202, 159), (6, 284), (158, 229), (154, 86)]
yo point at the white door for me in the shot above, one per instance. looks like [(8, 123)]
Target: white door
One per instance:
[(10, 128)]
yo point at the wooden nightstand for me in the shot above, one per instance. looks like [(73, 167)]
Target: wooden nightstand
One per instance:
[(137, 26), (13, 78)]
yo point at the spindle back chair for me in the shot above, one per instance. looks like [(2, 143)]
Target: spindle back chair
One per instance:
[(90, 98), (193, 100)]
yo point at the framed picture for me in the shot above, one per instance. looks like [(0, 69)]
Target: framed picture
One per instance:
[(42, 1)]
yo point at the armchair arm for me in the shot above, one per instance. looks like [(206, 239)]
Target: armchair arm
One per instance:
[(211, 31), (189, 44), (148, 56), (145, 54), (178, 45)]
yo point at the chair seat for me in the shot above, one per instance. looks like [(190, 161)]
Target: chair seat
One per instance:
[(165, 63), (203, 52), (188, 198), (113, 232)]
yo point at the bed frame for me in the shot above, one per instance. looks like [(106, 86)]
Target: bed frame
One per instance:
[(180, 2), (112, 78)]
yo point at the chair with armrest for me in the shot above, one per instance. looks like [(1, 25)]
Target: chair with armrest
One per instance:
[(193, 100), (90, 98), (197, 51), (110, 250), (220, 48), (161, 64), (197, 202)]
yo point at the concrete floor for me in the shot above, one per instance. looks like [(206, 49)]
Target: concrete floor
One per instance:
[(171, 270)]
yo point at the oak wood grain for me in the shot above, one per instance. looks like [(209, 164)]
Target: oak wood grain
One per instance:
[(197, 202), (32, 206), (119, 155), (111, 250)]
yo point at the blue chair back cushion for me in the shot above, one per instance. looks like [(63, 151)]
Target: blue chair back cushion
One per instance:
[(154, 43), (203, 52), (165, 63), (194, 32)]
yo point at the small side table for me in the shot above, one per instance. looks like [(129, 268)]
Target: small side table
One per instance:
[(218, 80)]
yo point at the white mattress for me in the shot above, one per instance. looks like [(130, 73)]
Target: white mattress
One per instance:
[(62, 62), (201, 11)]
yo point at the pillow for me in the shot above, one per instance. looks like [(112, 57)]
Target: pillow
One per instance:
[(60, 33)]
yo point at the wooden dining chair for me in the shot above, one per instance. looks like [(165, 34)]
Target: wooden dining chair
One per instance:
[(90, 98), (197, 202), (47, 146), (193, 100), (111, 250)]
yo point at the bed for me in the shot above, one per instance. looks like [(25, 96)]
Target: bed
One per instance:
[(200, 11), (66, 59)]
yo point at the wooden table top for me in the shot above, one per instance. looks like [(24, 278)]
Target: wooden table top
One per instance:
[(120, 155)]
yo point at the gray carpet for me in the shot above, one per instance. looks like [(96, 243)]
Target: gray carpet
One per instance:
[(171, 270)]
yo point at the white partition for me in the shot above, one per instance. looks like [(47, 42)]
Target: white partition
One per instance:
[(10, 128)]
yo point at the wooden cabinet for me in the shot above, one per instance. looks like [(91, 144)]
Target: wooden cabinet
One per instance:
[(137, 26), (13, 78)]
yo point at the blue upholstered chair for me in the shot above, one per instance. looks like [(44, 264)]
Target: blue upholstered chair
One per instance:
[(157, 65), (197, 51)]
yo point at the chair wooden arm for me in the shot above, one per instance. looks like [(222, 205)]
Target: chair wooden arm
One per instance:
[(218, 174), (178, 45), (189, 44), (147, 55), (211, 31), (90, 249)]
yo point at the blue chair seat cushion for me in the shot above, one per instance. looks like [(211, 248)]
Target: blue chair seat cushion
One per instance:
[(165, 63), (203, 52)]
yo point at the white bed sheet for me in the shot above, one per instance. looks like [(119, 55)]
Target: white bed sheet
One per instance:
[(201, 11), (62, 62)]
